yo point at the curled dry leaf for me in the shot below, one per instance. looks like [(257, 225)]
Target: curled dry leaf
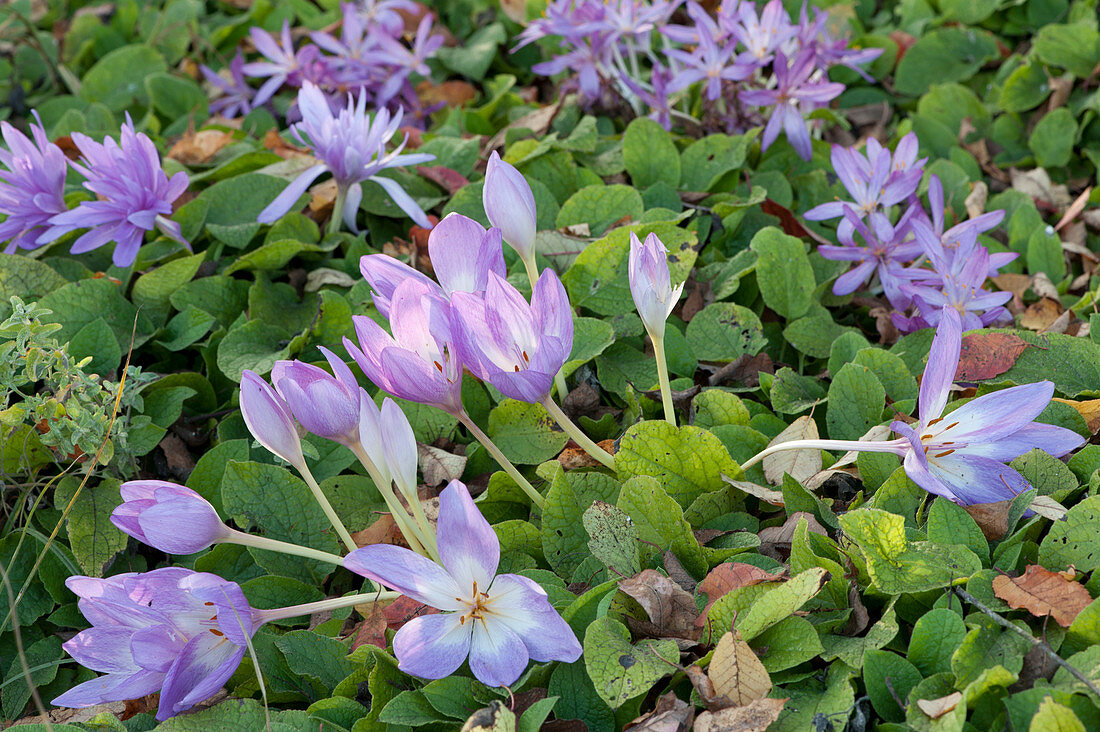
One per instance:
[(767, 495), (737, 674), (439, 466), (1041, 315), (755, 717), (799, 464), (975, 202), (985, 355), (199, 147), (936, 708), (672, 714), (729, 576), (782, 535), (670, 608), (992, 518), (1037, 184), (1089, 409), (1042, 592)]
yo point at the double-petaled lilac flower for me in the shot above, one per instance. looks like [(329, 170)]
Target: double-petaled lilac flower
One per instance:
[(284, 65), (172, 630), (269, 419), (32, 189), (499, 621), (516, 347), (169, 517), (418, 362), (135, 196), (650, 283), (798, 89), (710, 63), (235, 99), (403, 61), (886, 249), (352, 147), (326, 405), (962, 237), (510, 206)]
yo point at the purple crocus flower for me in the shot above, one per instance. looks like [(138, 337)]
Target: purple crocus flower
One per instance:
[(516, 347), (886, 249), (326, 405), (711, 63), (235, 99), (384, 15), (764, 35), (269, 419), (135, 196), (499, 621), (797, 87), (283, 64), (510, 206), (403, 61), (960, 238), (384, 273), (650, 283), (32, 189), (352, 147), (418, 362), (167, 516), (172, 630)]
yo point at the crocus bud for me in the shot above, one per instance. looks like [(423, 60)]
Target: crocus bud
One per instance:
[(463, 253), (650, 283), (510, 205), (399, 445), (269, 420), (169, 517), (370, 436), (325, 405)]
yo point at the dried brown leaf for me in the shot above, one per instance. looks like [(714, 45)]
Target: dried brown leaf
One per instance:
[(439, 466), (985, 355), (669, 607), (1041, 315), (755, 717), (736, 672), (1042, 592), (672, 714), (992, 518), (799, 464), (767, 495), (936, 708), (199, 147)]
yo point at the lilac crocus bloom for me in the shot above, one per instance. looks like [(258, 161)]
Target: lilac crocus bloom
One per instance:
[(352, 147), (399, 446), (510, 206), (765, 34), (167, 516), (283, 64), (418, 362), (886, 248), (172, 630), (269, 419), (32, 189), (711, 63), (326, 405), (960, 238), (134, 196), (797, 87), (650, 283), (235, 99), (403, 61), (499, 621), (516, 347)]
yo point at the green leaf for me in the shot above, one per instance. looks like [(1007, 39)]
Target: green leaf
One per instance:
[(1044, 254), (458, 697), (944, 55), (889, 678), (564, 540), (783, 272), (176, 96), (313, 655), (525, 433), (600, 206), (786, 644), (1048, 474), (96, 339), (591, 337), (984, 647), (93, 538), (714, 407), (649, 154), (724, 331), (1025, 88), (1073, 364), (891, 371), (687, 461), (234, 204), (117, 79), (936, 635), (38, 658), (273, 255), (253, 345), (619, 670), (269, 591), (1074, 540), (222, 297), (613, 538), (1052, 139), (779, 601), (1073, 47), (897, 566), (472, 57), (853, 651), (949, 523), (1055, 717), (578, 698), (279, 503), (186, 328), (77, 304), (410, 708), (659, 520), (969, 12), (26, 278), (856, 401), (792, 393), (814, 335), (705, 161), (812, 699)]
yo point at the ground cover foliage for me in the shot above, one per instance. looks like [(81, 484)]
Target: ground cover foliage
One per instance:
[(856, 599)]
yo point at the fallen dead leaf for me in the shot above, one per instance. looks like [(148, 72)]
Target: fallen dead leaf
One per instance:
[(274, 142), (439, 466), (1075, 209), (574, 456), (1037, 184), (372, 629), (1040, 315), (537, 121), (992, 518), (767, 495), (736, 672), (199, 147), (729, 576), (1043, 287), (799, 464), (383, 531), (670, 608), (322, 276), (985, 355), (1042, 592), (755, 717), (975, 201), (672, 714), (1089, 409), (453, 93), (446, 178), (1049, 508), (1012, 282), (789, 222), (783, 535), (936, 708), (179, 458)]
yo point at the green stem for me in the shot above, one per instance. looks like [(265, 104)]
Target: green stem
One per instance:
[(400, 516), (334, 603), (284, 547), (337, 210), (337, 524), (421, 519), (662, 378), (578, 436), (504, 462)]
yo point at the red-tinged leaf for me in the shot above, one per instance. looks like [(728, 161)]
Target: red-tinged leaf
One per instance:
[(985, 355), (404, 609), (1042, 592), (788, 222), (447, 178), (730, 576)]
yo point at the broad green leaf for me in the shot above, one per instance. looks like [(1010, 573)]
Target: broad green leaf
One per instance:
[(779, 602), (612, 537), (313, 655), (79, 303), (117, 79), (949, 523), (714, 407), (783, 272), (856, 401), (1073, 47), (619, 670), (458, 696), (1055, 717), (704, 162), (564, 540), (969, 12), (724, 331), (253, 345), (889, 678), (944, 55), (473, 57), (792, 392), (591, 337), (525, 433), (222, 297), (1074, 540), (687, 461), (659, 522), (271, 256), (813, 699), (600, 206), (853, 651), (891, 372), (987, 646), (93, 538), (578, 698), (26, 278), (649, 154), (936, 635), (786, 644), (814, 335), (1046, 473)]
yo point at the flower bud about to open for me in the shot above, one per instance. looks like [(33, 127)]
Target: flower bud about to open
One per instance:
[(169, 517), (510, 205), (651, 284), (269, 419), (326, 405)]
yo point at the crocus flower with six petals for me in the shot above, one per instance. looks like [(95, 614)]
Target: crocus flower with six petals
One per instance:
[(32, 189)]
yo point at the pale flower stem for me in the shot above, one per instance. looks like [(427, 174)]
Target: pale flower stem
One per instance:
[(284, 547), (662, 378), (319, 494), (337, 219), (578, 436), (504, 462), (334, 603), (895, 446), (399, 514), (421, 519)]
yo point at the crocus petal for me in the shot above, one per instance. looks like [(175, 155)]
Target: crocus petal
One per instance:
[(497, 655), (113, 687), (521, 604), (468, 546), (103, 649), (155, 648), (384, 273), (432, 646), (919, 472), (398, 445), (1054, 440), (454, 246), (407, 572), (510, 205), (403, 200), (268, 419), (181, 526), (282, 203), (203, 667), (975, 479), (370, 434), (998, 414), (943, 361)]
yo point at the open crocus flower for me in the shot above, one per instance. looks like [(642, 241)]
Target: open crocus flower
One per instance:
[(32, 185), (500, 621), (516, 347), (172, 630), (326, 405), (169, 517), (650, 283), (418, 362), (269, 419), (961, 455), (510, 206)]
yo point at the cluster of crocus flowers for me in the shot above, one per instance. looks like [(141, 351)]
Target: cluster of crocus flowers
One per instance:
[(133, 193), (961, 455), (655, 297), (352, 146)]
